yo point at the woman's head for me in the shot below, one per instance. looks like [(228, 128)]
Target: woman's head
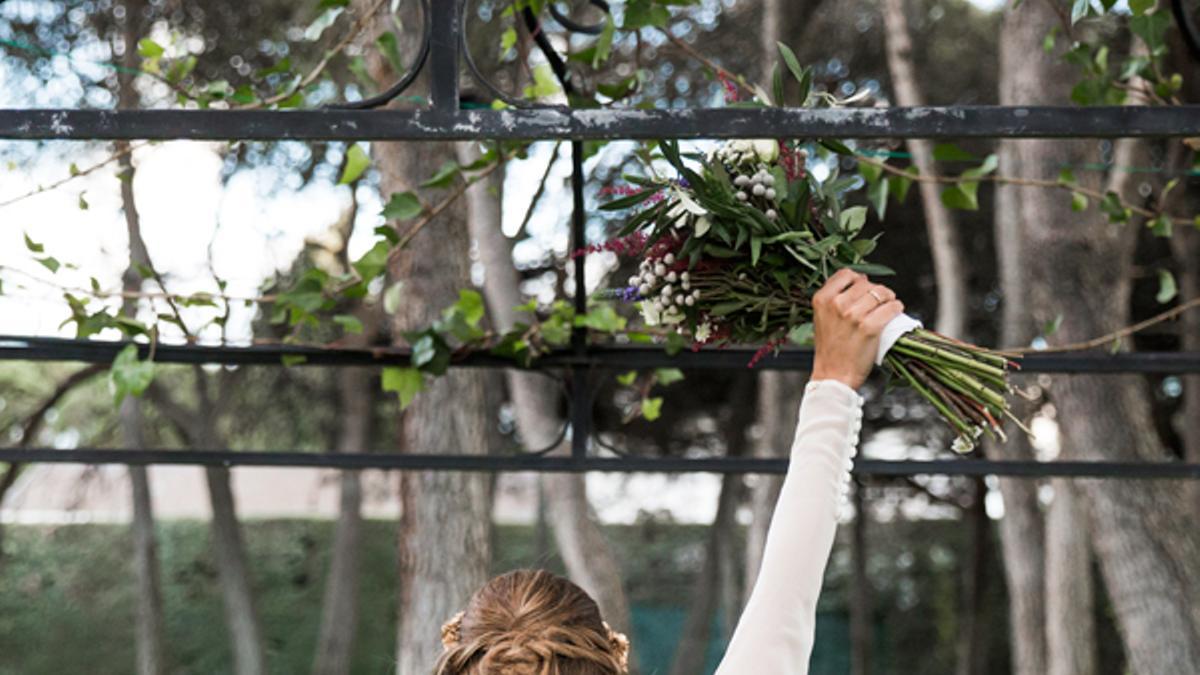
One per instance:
[(531, 622)]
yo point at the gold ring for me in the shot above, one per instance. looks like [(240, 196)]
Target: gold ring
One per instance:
[(876, 296)]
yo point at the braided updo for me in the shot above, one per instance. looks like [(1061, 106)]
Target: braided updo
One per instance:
[(531, 622)]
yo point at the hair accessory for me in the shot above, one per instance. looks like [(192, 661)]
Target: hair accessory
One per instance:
[(452, 630), (620, 646)]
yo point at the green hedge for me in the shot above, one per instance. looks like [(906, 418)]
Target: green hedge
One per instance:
[(66, 595)]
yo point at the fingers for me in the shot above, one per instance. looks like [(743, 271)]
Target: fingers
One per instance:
[(840, 281), (879, 317), (863, 299)]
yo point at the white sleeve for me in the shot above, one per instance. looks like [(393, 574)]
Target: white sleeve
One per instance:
[(775, 632)]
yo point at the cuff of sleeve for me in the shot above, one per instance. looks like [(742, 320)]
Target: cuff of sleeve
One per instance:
[(840, 390), (831, 417)]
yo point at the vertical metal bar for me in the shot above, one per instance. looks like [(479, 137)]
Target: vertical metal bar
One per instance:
[(581, 405), (445, 41)]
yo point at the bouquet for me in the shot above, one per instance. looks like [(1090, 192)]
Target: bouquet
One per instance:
[(734, 246)]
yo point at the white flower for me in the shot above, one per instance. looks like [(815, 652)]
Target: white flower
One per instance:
[(962, 444), (703, 332), (767, 150), (651, 312), (672, 315)]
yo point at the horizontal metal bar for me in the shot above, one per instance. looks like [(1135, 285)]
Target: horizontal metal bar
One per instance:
[(516, 463), (585, 124), (30, 348)]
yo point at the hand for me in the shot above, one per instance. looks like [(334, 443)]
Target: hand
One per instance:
[(849, 313)]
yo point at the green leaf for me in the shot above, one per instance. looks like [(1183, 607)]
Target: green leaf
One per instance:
[(1167, 289), (877, 192), (852, 219), (627, 379), (668, 376), (1079, 9), (128, 375), (405, 382), (603, 47), (652, 408), (83, 204), (602, 318), (545, 84), (389, 45), (150, 49), (374, 261), (793, 64), (949, 152), (351, 324), (755, 249), (899, 185), (469, 306), (1140, 7), (444, 176), (392, 296), (50, 263), (642, 13), (34, 246), (290, 360), (402, 206), (424, 350), (1052, 326), (1160, 225), (1079, 202), (802, 334), (961, 196), (1113, 208), (357, 162)]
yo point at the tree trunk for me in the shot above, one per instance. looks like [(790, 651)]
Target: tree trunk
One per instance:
[(339, 617), (1185, 244), (971, 656), (692, 649), (151, 648), (445, 525), (1080, 268), (1070, 615), (1022, 533), (944, 242), (149, 619), (229, 549), (589, 559)]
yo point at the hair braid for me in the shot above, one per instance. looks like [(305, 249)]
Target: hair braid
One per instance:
[(531, 623)]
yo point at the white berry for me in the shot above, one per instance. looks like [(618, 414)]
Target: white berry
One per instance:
[(759, 190), (689, 300), (672, 277), (669, 258), (741, 180), (770, 193), (771, 215), (679, 299), (660, 269), (741, 196)]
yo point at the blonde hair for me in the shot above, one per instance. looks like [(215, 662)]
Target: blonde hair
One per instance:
[(531, 622)]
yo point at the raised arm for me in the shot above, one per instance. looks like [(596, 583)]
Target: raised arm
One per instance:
[(775, 632)]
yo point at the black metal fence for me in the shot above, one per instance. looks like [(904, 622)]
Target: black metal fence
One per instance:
[(444, 119)]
